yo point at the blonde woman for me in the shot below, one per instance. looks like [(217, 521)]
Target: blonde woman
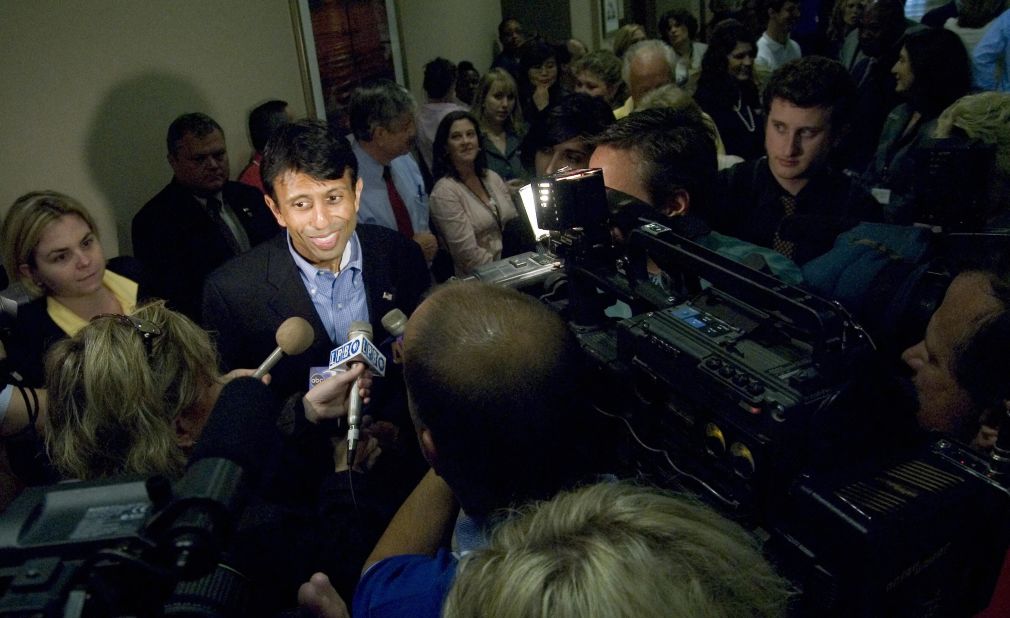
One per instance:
[(501, 121)]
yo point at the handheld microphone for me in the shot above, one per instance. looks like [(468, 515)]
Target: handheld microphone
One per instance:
[(359, 348), (294, 336), (395, 323)]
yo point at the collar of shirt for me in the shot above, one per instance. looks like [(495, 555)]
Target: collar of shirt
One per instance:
[(351, 258), (203, 200)]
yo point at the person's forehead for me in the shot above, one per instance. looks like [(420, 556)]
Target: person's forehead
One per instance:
[(199, 144), (785, 111)]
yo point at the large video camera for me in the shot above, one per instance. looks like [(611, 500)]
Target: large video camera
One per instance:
[(750, 393), (125, 547)]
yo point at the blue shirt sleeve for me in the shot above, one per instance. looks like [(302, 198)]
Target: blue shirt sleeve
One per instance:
[(414, 586)]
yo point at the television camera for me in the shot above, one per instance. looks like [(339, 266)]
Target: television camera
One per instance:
[(765, 401)]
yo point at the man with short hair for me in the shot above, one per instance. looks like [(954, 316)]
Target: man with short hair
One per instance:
[(791, 200), (647, 65), (495, 390), (263, 121), (200, 219), (775, 48), (325, 268), (383, 127), (440, 86), (666, 159), (511, 37)]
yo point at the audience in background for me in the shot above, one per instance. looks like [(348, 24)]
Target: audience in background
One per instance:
[(932, 71), (775, 48), (263, 121), (844, 20), (674, 98), (501, 121), (467, 80), (973, 19), (562, 137), (626, 36), (727, 91), (470, 204), (393, 193), (440, 88), (538, 81), (598, 74), (647, 65), (679, 29), (200, 219), (991, 57), (620, 551), (511, 38)]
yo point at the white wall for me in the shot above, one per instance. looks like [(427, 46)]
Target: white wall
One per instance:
[(89, 89)]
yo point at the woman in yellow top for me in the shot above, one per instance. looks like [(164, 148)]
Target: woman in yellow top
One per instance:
[(51, 247)]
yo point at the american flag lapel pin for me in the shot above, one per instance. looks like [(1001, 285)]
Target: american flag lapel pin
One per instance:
[(387, 296)]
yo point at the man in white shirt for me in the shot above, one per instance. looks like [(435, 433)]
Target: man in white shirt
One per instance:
[(775, 48)]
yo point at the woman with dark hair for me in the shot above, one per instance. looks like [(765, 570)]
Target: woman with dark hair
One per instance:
[(727, 92), (679, 29), (932, 71), (539, 87), (845, 18), (470, 204)]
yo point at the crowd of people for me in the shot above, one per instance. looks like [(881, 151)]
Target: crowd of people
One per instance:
[(730, 132)]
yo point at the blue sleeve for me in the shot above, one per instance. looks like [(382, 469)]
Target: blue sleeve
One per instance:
[(412, 586), (989, 51)]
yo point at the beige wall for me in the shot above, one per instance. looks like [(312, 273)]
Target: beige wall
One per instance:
[(89, 89)]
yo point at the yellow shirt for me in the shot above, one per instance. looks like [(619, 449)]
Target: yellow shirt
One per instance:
[(122, 288)]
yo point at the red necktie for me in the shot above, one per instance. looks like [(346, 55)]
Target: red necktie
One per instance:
[(399, 208)]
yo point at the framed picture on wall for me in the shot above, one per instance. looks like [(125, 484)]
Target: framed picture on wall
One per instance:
[(611, 16), (335, 58)]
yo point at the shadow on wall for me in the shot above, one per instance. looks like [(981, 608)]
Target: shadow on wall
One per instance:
[(125, 147)]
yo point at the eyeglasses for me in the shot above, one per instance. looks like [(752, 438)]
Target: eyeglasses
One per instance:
[(148, 330)]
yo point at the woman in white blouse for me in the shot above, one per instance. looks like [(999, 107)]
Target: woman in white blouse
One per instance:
[(470, 204)]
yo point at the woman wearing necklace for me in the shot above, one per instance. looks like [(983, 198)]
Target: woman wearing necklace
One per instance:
[(470, 204), (727, 92)]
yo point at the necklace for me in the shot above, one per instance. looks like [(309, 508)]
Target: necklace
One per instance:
[(748, 122), (490, 204)]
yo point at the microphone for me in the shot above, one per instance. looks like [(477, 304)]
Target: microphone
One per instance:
[(395, 322), (294, 336), (359, 348)]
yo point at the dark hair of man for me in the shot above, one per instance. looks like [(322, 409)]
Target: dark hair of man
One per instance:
[(979, 359), (264, 120), (495, 377), (465, 65), (439, 75), (575, 115), (377, 104), (441, 161), (306, 147), (941, 68), (195, 124), (675, 151), (683, 17), (772, 5), (503, 24), (715, 64), (814, 81)]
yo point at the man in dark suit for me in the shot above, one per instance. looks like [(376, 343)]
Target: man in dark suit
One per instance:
[(200, 220), (325, 268)]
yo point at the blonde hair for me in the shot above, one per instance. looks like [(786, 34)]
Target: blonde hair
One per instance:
[(983, 117), (616, 550), (24, 225), (514, 124), (625, 38), (112, 405)]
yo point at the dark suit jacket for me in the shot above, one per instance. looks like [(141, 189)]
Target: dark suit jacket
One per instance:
[(245, 301), (179, 244), (35, 332)]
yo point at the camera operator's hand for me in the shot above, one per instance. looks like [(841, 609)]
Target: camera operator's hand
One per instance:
[(329, 398)]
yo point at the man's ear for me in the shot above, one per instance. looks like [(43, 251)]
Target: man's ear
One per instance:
[(677, 204), (275, 210), (428, 448)]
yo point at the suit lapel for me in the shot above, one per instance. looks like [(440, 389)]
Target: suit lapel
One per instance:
[(290, 297)]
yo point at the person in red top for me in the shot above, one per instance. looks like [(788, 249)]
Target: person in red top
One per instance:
[(263, 121)]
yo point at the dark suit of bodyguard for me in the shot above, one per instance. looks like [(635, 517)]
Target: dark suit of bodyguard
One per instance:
[(199, 220)]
